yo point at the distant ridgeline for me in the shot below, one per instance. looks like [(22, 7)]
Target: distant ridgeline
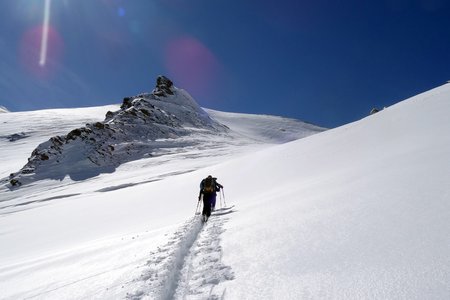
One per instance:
[(125, 135)]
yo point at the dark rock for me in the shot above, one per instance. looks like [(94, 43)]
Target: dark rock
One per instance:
[(99, 125), (374, 111), (163, 86), (57, 140), (132, 112), (15, 182), (78, 132), (126, 103), (145, 112), (109, 114), (73, 134), (28, 170)]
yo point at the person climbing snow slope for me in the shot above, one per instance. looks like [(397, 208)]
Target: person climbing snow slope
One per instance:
[(208, 188)]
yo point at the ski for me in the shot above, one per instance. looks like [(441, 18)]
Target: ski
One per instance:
[(224, 208), (222, 211)]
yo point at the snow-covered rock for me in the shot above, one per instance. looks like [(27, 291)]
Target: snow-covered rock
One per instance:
[(127, 134), (163, 86)]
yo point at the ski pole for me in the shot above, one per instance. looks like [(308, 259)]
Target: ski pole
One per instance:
[(198, 203), (224, 198), (221, 201)]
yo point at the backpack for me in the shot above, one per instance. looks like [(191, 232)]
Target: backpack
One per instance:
[(209, 185)]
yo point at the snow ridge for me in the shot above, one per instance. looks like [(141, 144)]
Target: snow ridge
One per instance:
[(188, 266), (265, 128)]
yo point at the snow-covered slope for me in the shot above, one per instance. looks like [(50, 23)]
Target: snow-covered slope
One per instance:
[(3, 109), (357, 212), (264, 128)]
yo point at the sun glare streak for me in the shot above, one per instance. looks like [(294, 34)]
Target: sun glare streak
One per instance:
[(44, 40)]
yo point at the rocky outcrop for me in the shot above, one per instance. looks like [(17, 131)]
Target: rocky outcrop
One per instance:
[(163, 86), (374, 110), (124, 135)]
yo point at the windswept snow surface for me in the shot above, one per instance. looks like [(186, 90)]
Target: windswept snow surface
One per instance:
[(264, 128), (3, 109), (357, 212)]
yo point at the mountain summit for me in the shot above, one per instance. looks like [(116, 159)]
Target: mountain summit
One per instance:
[(143, 123)]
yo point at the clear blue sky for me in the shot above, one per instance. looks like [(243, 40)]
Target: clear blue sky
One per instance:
[(326, 62)]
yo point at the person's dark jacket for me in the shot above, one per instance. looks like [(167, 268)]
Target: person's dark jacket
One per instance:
[(217, 185)]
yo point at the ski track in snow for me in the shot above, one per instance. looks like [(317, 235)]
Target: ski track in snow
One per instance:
[(190, 265)]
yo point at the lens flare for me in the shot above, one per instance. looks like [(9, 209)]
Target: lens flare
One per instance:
[(44, 40), (192, 65), (30, 51)]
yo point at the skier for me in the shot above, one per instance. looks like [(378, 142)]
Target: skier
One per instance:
[(208, 188)]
